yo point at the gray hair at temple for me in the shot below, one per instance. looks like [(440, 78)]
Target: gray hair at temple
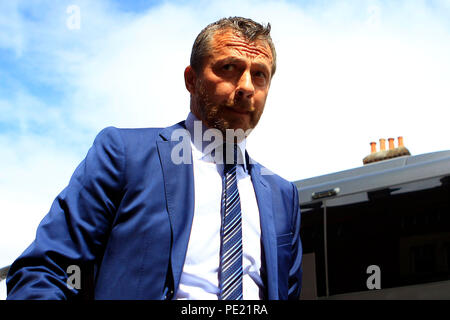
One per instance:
[(247, 28)]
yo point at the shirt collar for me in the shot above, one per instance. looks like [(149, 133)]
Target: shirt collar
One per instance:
[(203, 148)]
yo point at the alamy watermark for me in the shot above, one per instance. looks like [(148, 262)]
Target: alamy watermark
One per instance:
[(374, 280), (73, 21), (74, 279), (211, 142)]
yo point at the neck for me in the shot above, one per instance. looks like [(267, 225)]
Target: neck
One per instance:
[(207, 139)]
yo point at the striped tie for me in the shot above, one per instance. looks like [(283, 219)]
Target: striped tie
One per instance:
[(231, 251)]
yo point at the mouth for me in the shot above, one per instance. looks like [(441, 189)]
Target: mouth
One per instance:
[(239, 111)]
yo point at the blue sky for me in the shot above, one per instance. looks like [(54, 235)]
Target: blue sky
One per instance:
[(349, 72)]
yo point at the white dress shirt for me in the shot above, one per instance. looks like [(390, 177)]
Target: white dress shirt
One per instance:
[(199, 278)]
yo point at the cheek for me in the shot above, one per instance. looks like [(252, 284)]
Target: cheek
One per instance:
[(260, 100), (224, 90)]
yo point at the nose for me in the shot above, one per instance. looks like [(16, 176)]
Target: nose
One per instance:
[(245, 88)]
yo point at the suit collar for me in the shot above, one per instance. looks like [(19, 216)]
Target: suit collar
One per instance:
[(169, 133)]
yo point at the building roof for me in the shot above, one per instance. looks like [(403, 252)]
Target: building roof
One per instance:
[(377, 175)]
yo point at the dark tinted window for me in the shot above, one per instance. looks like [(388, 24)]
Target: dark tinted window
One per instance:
[(404, 230), (313, 243)]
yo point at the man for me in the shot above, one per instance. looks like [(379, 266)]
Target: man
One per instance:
[(135, 222)]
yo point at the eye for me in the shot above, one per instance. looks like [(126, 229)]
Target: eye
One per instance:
[(260, 74), (228, 67)]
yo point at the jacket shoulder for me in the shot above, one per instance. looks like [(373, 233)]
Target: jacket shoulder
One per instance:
[(127, 136)]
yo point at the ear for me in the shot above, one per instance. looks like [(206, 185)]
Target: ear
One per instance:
[(190, 79)]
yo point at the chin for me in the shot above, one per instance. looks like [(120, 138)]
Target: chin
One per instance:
[(236, 125)]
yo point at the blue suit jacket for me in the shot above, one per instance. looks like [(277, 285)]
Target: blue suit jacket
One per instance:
[(125, 220)]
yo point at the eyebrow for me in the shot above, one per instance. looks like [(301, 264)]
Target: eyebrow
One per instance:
[(237, 60), (230, 60), (262, 66)]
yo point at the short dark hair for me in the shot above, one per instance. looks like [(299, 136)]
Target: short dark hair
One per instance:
[(247, 28)]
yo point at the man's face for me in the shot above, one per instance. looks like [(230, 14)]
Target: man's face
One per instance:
[(231, 90)]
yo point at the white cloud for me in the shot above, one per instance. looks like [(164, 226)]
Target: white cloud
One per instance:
[(344, 81)]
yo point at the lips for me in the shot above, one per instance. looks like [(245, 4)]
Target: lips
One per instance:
[(239, 111)]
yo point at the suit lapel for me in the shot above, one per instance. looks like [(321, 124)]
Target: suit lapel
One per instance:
[(268, 234), (179, 189)]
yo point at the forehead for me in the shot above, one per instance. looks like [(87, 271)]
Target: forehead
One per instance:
[(229, 43)]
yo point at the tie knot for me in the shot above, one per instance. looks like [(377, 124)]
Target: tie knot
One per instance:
[(230, 156)]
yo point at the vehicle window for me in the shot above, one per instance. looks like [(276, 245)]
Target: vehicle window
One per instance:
[(404, 230), (313, 243)]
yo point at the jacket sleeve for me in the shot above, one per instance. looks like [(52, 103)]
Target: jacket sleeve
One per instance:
[(72, 236), (295, 272)]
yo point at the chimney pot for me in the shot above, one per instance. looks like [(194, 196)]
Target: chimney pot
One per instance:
[(373, 147), (382, 144), (391, 143), (400, 142)]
